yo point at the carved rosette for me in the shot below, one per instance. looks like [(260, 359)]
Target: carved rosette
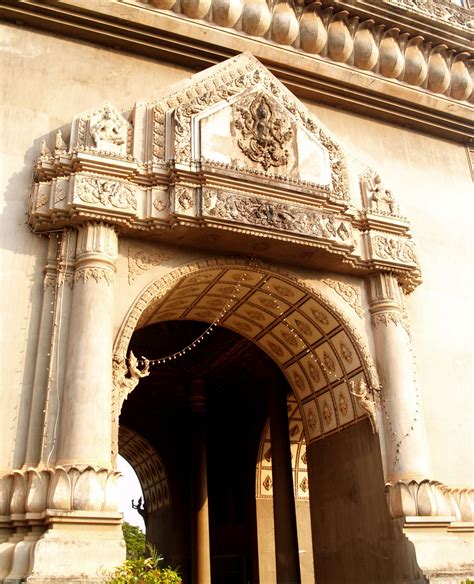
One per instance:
[(429, 499)]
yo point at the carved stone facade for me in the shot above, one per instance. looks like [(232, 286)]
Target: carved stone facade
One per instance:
[(226, 203)]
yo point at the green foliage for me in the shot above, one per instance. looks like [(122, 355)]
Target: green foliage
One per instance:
[(134, 540), (468, 581), (144, 571)]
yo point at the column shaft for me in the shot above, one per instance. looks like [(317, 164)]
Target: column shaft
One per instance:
[(286, 535), (85, 426), (201, 548), (406, 443)]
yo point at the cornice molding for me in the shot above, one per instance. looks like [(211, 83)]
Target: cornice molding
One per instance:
[(175, 38)]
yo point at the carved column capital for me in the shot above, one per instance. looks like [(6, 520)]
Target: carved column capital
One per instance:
[(384, 293), (96, 241), (96, 252)]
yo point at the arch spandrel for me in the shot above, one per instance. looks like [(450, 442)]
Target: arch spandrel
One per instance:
[(311, 341), (222, 161)]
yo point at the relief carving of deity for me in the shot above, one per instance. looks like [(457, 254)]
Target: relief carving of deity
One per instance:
[(264, 134), (380, 199), (108, 131)]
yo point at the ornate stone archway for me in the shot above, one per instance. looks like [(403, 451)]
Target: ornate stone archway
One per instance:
[(230, 161)]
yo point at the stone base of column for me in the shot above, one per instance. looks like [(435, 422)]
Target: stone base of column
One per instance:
[(443, 548), (77, 546), (429, 498)]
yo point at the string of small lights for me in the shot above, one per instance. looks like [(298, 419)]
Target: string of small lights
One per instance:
[(202, 336), (414, 419)]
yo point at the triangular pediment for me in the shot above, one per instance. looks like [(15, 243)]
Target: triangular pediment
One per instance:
[(239, 117), (223, 160)]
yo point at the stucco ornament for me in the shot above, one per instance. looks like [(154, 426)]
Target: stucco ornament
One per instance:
[(264, 132), (232, 151), (108, 130), (91, 189), (365, 401), (126, 378), (379, 198)]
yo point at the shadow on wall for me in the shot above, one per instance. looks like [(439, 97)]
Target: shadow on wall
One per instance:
[(355, 540)]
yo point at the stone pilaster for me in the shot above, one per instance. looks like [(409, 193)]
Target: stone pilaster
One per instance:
[(406, 445)]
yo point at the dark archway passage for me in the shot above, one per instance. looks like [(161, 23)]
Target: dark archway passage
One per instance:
[(237, 376)]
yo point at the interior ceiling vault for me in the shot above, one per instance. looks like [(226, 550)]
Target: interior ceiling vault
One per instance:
[(308, 342)]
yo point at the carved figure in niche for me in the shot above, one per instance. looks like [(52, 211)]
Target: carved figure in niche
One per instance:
[(380, 198), (125, 384), (365, 401), (140, 507), (264, 133), (108, 129)]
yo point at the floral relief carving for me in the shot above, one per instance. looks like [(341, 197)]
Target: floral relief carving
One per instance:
[(327, 413), (349, 293), (303, 327), (289, 338), (445, 10), (184, 197), (96, 274), (314, 372), (329, 362), (264, 132), (92, 189), (43, 198), (346, 353), (160, 204), (276, 349), (343, 405), (393, 248), (319, 316), (267, 483), (140, 260), (266, 213), (59, 194), (312, 420), (387, 318), (304, 484), (300, 384)]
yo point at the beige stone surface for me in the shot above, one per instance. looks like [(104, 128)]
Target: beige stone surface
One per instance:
[(432, 182), (59, 78), (429, 177)]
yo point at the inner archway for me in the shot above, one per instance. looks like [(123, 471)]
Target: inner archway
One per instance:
[(237, 326)]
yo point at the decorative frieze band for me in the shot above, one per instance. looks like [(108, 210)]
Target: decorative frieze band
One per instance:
[(96, 274), (71, 488), (285, 217)]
